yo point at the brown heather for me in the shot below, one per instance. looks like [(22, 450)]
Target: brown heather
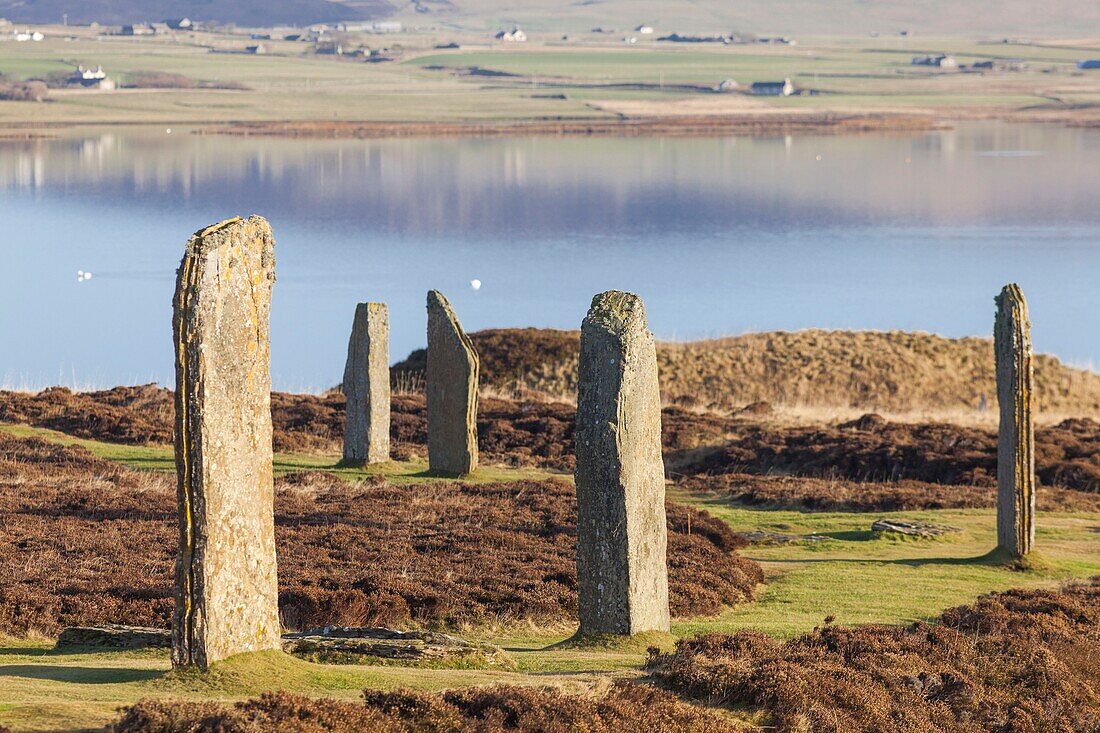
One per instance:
[(624, 707), (86, 541), (536, 433), (891, 371), (1014, 662), (872, 449)]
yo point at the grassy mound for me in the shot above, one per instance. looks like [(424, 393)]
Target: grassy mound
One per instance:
[(1015, 661), (890, 371)]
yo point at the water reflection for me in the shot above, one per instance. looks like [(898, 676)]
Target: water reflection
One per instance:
[(719, 235)]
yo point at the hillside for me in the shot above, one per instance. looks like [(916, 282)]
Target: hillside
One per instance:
[(241, 12), (889, 371), (1017, 17), (803, 17)]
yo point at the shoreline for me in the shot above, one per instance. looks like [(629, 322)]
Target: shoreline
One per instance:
[(664, 126), (756, 123)]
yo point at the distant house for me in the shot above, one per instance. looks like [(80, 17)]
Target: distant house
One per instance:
[(1088, 64), (180, 24), (27, 35), (1000, 65), (90, 78), (516, 35), (772, 88), (940, 60), (160, 27), (138, 29), (727, 86), (645, 30), (387, 26), (329, 48), (258, 50)]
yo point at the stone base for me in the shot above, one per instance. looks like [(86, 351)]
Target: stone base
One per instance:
[(114, 636), (336, 644)]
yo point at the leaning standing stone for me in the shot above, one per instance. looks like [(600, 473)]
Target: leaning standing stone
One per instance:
[(226, 588), (1016, 439), (621, 527), (367, 386), (452, 391)]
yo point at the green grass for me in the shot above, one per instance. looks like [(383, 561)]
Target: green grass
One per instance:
[(859, 577), (852, 575), (162, 458)]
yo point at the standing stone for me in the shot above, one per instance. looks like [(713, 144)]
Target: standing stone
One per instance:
[(367, 386), (452, 391), (622, 534), (1016, 439), (226, 588)]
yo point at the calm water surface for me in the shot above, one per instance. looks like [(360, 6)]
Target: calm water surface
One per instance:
[(719, 236)]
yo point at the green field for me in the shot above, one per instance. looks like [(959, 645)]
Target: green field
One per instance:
[(849, 573), (292, 84)]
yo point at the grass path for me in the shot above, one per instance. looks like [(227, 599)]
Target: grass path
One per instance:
[(846, 571)]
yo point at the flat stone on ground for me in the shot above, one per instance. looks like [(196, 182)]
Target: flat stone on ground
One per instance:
[(912, 529)]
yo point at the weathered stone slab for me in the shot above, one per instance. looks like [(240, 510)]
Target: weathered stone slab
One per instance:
[(622, 533), (114, 636), (452, 391), (912, 529), (341, 643), (226, 588), (1016, 438), (367, 386)]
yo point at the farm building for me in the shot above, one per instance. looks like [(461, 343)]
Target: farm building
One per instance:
[(90, 78), (645, 30), (1089, 64), (1001, 65), (940, 60), (772, 88), (516, 35), (727, 85)]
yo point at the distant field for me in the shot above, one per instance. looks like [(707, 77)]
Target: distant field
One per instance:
[(548, 78)]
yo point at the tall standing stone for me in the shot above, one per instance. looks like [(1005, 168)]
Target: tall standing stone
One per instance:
[(622, 534), (452, 391), (226, 587), (367, 386), (1016, 439)]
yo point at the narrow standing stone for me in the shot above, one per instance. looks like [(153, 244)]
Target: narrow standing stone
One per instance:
[(622, 534), (1016, 439), (367, 386), (452, 391), (227, 595)]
